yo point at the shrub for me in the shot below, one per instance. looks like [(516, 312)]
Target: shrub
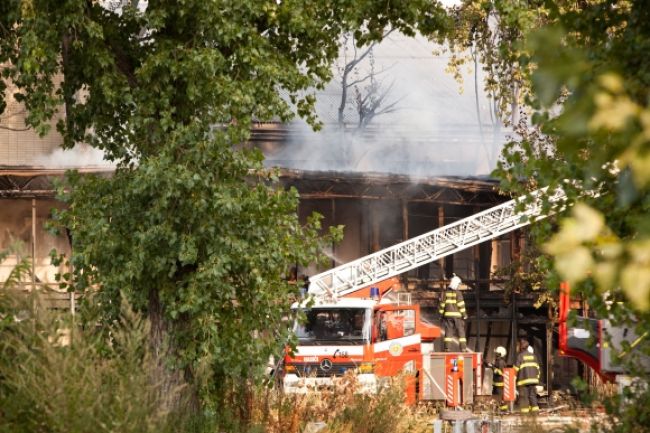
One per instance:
[(53, 377), (341, 409)]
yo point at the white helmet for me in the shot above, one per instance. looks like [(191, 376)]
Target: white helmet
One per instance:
[(501, 351), (455, 282), (530, 349)]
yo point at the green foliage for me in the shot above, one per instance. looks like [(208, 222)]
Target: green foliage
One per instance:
[(189, 229), (630, 410), (589, 91), (23, 268), (584, 62), (133, 74), (588, 95), (205, 240), (55, 380), (492, 31)]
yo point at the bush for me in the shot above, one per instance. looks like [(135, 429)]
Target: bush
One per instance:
[(54, 377), (58, 376), (341, 409)]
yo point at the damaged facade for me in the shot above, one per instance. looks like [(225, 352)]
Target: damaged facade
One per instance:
[(381, 210), (377, 209), (27, 199)]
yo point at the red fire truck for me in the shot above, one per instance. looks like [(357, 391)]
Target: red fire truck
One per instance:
[(356, 318), (376, 332), (598, 343)]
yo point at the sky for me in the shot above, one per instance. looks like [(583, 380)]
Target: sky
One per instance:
[(434, 130)]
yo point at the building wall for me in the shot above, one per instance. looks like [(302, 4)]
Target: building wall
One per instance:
[(23, 224), (350, 214), (19, 145), (374, 224)]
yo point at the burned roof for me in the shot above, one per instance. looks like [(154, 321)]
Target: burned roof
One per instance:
[(36, 182), (30, 182), (449, 189)]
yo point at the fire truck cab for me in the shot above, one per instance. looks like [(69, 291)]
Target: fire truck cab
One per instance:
[(374, 338)]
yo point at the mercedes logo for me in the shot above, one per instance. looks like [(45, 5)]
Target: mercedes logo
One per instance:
[(326, 365)]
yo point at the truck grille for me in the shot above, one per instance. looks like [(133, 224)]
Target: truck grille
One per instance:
[(316, 370)]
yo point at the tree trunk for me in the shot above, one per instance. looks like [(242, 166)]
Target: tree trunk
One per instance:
[(175, 394)]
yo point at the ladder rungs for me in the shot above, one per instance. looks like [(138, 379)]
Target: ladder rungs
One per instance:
[(431, 246)]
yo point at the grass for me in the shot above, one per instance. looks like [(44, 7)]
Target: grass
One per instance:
[(340, 409)]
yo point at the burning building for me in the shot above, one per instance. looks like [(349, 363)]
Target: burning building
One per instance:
[(424, 165)]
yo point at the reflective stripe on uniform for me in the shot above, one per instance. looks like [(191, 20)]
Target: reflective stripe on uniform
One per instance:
[(451, 339), (525, 410), (498, 371), (530, 381), (463, 339), (498, 384), (529, 364), (452, 305), (534, 409), (453, 314)]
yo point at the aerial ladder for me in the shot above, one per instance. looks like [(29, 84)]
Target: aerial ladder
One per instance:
[(452, 238), (451, 376), (434, 245)]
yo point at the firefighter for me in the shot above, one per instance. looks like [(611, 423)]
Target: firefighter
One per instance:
[(497, 378), (528, 372), (452, 310)]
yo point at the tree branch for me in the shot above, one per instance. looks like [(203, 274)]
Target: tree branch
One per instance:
[(119, 56), (359, 81), (349, 67), (123, 64)]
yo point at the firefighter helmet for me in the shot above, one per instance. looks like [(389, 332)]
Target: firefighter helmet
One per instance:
[(530, 349), (455, 282), (501, 351)]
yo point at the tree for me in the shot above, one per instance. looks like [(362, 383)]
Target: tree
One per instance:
[(586, 75), (487, 35), (190, 228), (370, 100), (587, 82)]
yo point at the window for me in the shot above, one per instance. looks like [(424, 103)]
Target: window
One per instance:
[(334, 325), (395, 324)]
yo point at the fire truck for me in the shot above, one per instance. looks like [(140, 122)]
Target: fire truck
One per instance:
[(599, 343), (358, 320)]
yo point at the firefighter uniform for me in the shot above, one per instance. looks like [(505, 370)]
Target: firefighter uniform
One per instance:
[(528, 373), (452, 310), (497, 381)]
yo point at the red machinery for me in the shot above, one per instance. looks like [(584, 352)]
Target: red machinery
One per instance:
[(509, 384), (378, 338), (350, 326), (596, 342)]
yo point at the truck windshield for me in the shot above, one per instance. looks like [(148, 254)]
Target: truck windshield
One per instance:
[(334, 326)]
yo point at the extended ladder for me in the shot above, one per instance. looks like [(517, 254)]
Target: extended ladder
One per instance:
[(431, 246)]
